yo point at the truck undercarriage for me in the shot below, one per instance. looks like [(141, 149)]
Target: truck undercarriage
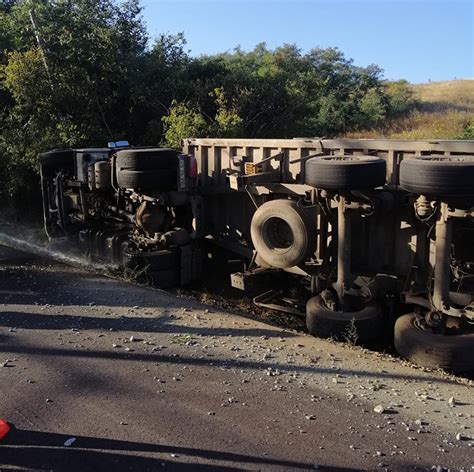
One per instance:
[(368, 230)]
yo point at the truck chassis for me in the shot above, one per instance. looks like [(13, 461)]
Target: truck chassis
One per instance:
[(366, 231)]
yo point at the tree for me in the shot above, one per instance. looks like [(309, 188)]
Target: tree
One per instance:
[(163, 79), (372, 109), (182, 121), (185, 120), (103, 80), (92, 50), (227, 122), (400, 98)]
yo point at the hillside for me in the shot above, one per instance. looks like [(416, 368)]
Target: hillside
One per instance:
[(451, 95), (445, 110)]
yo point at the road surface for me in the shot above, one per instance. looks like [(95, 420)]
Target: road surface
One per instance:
[(144, 381)]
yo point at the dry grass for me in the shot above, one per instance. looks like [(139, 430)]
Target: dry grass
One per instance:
[(422, 125), (450, 95), (445, 110)]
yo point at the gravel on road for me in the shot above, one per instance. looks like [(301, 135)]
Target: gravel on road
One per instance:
[(97, 374)]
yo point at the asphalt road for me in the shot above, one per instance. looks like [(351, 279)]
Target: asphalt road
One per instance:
[(147, 381)]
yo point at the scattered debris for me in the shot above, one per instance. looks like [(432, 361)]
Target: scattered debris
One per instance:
[(420, 422), (69, 442), (4, 428)]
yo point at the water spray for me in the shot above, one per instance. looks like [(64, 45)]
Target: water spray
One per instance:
[(37, 249)]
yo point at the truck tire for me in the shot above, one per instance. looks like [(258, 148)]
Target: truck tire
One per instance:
[(448, 352), (438, 176), (147, 159), (356, 326), (147, 179), (56, 160), (283, 233), (345, 172)]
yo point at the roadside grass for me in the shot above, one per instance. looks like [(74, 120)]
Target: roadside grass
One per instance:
[(350, 335), (134, 275), (445, 110)]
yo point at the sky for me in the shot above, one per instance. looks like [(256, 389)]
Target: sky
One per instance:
[(416, 40)]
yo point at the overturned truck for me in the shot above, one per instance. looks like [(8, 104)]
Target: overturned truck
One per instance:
[(359, 236)]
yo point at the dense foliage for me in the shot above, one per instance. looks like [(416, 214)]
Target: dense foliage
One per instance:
[(82, 72)]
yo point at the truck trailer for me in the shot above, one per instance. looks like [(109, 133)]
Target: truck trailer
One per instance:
[(358, 236)]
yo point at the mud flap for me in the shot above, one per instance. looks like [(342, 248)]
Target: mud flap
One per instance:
[(191, 263)]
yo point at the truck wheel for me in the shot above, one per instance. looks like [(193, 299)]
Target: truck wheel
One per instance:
[(56, 160), (147, 159), (450, 352), (438, 176), (356, 326), (345, 172), (283, 233), (166, 179)]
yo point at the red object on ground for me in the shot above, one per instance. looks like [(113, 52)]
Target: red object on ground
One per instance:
[(4, 428)]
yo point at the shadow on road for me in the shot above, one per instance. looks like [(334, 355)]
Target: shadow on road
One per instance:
[(159, 356), (60, 285), (152, 324), (33, 449)]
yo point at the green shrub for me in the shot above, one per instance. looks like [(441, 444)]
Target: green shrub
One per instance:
[(181, 122), (468, 132)]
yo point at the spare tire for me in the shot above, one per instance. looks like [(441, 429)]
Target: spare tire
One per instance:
[(283, 233), (449, 352), (56, 160), (356, 326), (147, 159), (438, 176), (345, 172), (148, 179)]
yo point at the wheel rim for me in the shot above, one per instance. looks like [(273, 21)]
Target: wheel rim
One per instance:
[(278, 235)]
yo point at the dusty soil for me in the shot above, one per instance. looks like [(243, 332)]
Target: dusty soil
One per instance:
[(145, 380)]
